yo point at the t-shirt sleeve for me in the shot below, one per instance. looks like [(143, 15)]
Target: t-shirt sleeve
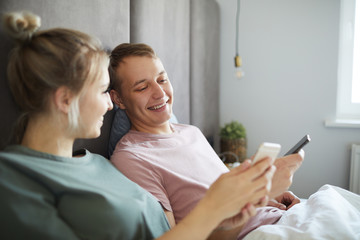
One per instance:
[(143, 173)]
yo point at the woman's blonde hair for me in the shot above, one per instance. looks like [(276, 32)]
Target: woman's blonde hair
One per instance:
[(43, 61)]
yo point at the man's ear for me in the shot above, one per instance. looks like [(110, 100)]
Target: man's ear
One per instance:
[(62, 98), (115, 97)]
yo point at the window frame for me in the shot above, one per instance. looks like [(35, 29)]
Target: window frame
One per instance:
[(345, 109)]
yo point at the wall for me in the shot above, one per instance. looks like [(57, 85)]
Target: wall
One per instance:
[(165, 26), (185, 35), (289, 50), (204, 70)]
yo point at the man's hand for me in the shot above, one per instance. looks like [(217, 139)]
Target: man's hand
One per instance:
[(285, 169), (285, 201)]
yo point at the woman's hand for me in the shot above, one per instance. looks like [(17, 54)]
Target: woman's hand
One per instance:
[(240, 219), (242, 185)]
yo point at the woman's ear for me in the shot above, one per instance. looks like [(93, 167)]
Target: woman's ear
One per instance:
[(62, 98), (115, 97)]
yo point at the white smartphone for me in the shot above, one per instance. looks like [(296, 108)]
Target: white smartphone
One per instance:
[(267, 149)]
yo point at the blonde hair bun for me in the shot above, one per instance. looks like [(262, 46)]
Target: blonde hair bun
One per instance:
[(21, 25)]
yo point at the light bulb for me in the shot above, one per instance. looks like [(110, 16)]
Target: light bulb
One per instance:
[(239, 73)]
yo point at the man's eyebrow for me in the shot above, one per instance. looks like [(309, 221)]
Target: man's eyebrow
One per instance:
[(144, 80), (138, 82)]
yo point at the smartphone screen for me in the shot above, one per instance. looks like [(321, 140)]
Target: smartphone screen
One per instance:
[(267, 150)]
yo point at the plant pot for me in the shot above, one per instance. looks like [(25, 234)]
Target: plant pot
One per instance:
[(236, 146)]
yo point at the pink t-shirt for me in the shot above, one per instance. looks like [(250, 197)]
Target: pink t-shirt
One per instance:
[(176, 168)]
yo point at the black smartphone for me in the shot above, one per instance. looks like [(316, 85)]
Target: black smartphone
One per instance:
[(299, 145)]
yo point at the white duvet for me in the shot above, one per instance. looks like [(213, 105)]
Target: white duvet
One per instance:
[(330, 213)]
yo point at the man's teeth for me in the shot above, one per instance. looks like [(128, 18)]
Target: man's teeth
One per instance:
[(159, 106)]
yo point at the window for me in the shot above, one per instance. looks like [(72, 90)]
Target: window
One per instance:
[(355, 95), (348, 95)]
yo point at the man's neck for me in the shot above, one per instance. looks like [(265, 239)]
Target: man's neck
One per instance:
[(160, 129)]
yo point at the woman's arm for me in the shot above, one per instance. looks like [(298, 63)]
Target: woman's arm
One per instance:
[(220, 233), (225, 199), (224, 234), (170, 217)]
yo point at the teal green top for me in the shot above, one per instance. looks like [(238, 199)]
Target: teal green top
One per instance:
[(43, 196)]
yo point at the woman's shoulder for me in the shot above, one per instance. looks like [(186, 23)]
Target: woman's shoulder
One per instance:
[(13, 152), (22, 156)]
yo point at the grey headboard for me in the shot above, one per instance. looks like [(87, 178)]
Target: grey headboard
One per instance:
[(184, 33)]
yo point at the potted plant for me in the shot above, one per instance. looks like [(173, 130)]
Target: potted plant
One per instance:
[(233, 141)]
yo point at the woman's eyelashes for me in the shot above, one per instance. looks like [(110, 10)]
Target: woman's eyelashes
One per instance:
[(107, 90)]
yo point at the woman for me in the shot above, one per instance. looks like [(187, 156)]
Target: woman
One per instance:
[(174, 162), (59, 79)]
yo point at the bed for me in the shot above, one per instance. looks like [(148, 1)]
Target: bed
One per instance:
[(329, 213)]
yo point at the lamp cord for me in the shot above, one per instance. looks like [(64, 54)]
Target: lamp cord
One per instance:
[(237, 28)]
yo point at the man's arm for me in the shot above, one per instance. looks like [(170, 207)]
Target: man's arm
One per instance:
[(285, 169)]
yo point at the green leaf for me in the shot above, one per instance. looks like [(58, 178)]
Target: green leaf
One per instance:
[(233, 130)]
